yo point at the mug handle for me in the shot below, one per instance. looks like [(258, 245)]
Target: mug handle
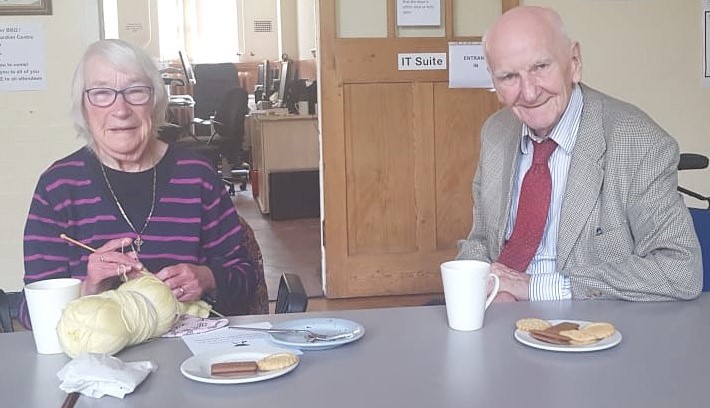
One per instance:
[(494, 292)]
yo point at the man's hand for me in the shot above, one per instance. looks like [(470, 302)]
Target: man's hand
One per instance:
[(512, 282), (504, 297)]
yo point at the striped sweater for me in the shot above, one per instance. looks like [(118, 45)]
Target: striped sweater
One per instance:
[(194, 222)]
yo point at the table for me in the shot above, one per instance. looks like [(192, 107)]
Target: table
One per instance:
[(409, 358)]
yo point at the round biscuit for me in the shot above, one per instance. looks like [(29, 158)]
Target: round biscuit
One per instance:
[(277, 361), (532, 323), (600, 330), (578, 336)]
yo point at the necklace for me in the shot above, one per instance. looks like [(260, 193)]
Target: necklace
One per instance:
[(138, 241)]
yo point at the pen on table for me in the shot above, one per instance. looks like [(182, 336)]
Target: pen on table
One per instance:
[(70, 400)]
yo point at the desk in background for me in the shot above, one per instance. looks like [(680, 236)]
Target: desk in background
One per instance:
[(286, 155)]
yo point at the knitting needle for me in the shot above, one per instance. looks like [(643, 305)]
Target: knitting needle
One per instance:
[(70, 400), (75, 242)]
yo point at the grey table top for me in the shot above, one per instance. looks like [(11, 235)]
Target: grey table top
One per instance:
[(409, 358)]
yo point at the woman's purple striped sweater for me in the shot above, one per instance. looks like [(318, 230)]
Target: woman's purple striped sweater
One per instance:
[(194, 221)]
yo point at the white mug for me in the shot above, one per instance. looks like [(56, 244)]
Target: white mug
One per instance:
[(45, 302), (465, 283)]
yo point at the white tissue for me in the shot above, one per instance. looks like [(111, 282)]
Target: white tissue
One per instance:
[(96, 375)]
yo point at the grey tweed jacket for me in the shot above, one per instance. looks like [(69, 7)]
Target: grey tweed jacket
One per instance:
[(624, 231)]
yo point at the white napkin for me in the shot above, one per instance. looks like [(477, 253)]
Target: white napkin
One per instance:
[(96, 375)]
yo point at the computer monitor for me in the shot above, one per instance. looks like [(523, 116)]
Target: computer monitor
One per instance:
[(187, 68), (266, 80), (284, 79)]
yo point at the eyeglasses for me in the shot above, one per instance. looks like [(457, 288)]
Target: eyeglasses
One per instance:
[(105, 97)]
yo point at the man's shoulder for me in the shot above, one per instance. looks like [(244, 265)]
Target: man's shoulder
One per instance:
[(613, 109), (502, 121)]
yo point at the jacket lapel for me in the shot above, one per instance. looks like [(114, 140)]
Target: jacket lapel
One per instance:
[(505, 166), (585, 176)]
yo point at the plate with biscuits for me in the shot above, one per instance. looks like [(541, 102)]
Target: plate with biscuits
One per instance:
[(566, 335), (238, 366)]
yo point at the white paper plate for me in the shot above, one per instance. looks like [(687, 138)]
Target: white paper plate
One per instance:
[(326, 326), (609, 342), (198, 367)]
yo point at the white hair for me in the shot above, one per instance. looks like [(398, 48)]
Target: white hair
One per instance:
[(126, 58)]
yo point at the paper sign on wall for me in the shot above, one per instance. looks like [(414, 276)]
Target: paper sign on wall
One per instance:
[(467, 66), (418, 12), (22, 56)]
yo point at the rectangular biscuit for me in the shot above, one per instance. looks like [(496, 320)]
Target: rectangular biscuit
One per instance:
[(233, 368), (549, 337)]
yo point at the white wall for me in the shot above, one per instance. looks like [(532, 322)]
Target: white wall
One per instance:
[(306, 21), (649, 53), (35, 126), (258, 46)]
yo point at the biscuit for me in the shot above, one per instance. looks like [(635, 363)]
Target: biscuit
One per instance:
[(600, 330), (562, 326), (277, 361), (547, 337), (233, 368), (532, 323), (578, 337)]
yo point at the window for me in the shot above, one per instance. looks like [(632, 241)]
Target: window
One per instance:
[(206, 29)]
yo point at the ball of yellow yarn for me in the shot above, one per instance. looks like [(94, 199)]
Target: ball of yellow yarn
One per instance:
[(159, 294), (137, 313), (138, 310), (92, 324)]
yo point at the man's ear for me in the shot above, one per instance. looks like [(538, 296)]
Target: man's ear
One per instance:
[(576, 63)]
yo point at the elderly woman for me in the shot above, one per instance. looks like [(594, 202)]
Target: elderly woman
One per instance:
[(136, 200)]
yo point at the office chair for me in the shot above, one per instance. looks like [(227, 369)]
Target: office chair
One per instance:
[(212, 82), (227, 132), (291, 297), (5, 317), (701, 216), (258, 303)]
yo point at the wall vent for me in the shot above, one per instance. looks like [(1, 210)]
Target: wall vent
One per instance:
[(263, 26)]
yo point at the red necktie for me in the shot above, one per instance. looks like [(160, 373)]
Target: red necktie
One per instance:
[(533, 205)]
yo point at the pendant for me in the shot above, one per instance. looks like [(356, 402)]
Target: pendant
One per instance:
[(138, 242)]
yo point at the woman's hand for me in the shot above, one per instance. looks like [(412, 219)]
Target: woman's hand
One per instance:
[(187, 281), (107, 265)]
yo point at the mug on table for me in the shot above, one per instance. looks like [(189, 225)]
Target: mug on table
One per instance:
[(465, 286)]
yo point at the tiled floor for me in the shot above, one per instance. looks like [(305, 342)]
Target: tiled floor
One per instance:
[(291, 246)]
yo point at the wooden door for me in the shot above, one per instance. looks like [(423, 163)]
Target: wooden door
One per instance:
[(399, 152)]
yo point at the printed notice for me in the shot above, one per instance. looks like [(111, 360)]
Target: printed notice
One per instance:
[(418, 12), (22, 56), (467, 66)]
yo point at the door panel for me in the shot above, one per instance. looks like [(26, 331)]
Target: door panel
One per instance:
[(379, 161), (460, 113), (399, 152)]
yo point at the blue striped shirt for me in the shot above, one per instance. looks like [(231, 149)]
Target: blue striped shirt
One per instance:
[(545, 282)]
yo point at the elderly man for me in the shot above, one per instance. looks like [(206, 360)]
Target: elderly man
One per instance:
[(575, 192)]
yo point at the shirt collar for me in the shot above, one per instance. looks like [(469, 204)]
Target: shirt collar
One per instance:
[(565, 131)]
